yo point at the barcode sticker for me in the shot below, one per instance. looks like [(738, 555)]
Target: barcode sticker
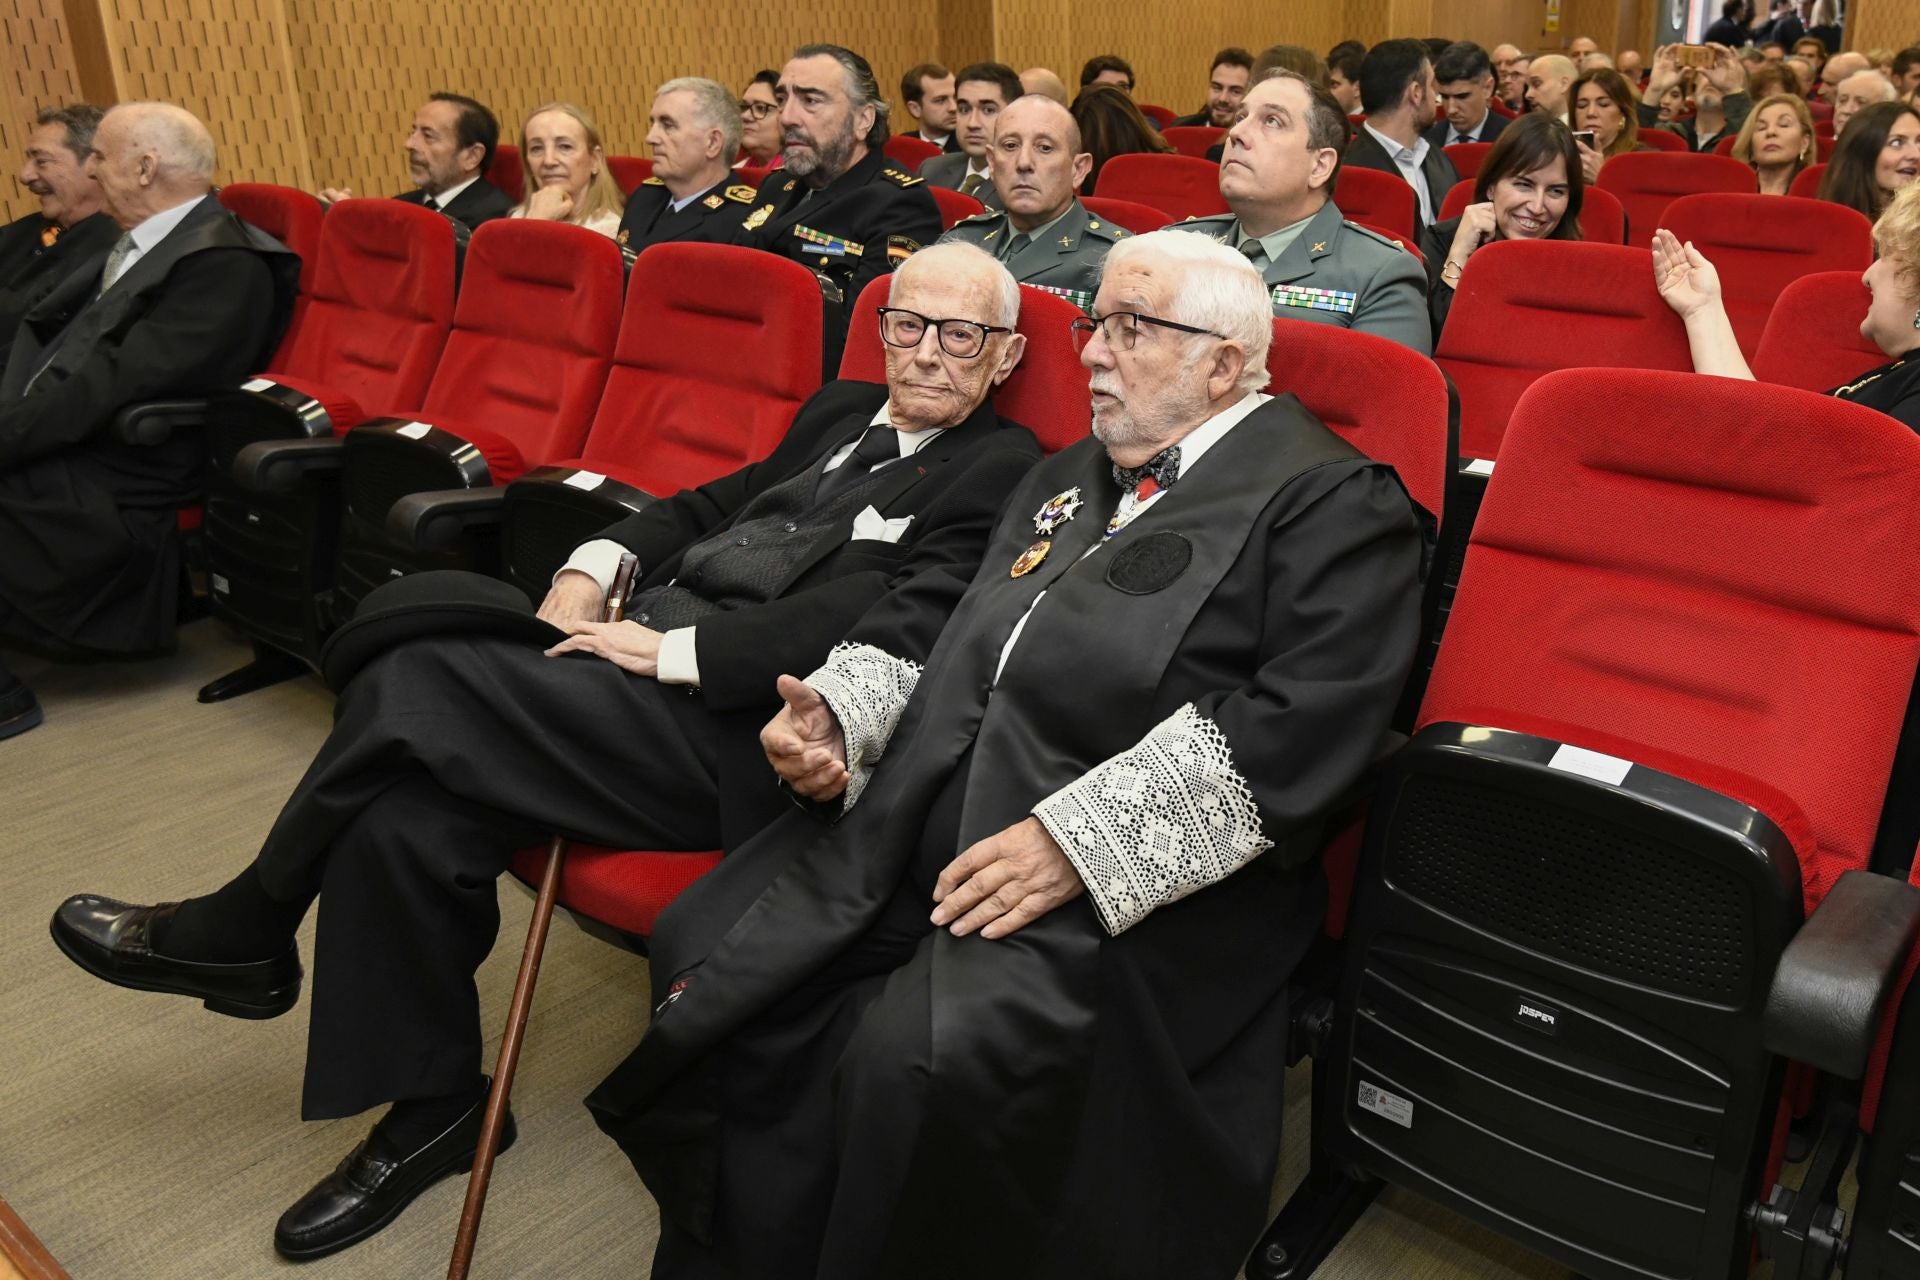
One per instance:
[(1479, 467), (1386, 1105), (1590, 764), (414, 430), (588, 480), (256, 384)]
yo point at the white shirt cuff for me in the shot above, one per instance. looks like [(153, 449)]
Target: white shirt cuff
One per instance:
[(679, 661), (599, 560)]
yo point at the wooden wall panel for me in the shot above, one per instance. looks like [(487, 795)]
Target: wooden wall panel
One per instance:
[(1883, 24), (40, 72)]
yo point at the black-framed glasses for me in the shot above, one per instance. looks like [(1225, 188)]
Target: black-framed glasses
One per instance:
[(1121, 328), (757, 110), (961, 339)]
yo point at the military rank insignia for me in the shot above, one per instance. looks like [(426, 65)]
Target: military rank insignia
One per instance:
[(1056, 511), (839, 246), (713, 202), (757, 217), (1081, 298), (1292, 295), (651, 181), (900, 248), (742, 193)]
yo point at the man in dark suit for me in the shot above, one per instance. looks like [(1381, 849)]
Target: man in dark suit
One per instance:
[(449, 147), (927, 89), (70, 232), (693, 132), (1463, 79), (1396, 91), (640, 734), (1106, 782), (1227, 83), (188, 300), (981, 92)]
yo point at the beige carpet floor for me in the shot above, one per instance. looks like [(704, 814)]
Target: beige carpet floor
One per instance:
[(142, 1137)]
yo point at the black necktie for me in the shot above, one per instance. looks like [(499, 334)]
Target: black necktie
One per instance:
[(1163, 466), (430, 203), (878, 445)]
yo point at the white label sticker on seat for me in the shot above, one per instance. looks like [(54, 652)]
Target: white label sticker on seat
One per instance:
[(588, 480), (1386, 1105), (257, 384), (1590, 764), (414, 430), (219, 584), (1479, 467)]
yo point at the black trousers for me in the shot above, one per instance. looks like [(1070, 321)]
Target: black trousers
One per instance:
[(447, 755)]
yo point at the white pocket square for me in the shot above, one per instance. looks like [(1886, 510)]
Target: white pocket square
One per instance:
[(871, 525)]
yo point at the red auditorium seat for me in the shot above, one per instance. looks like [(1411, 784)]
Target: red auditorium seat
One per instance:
[(954, 207), (505, 172), (1162, 116), (1404, 241), (629, 172), (1660, 730), (1184, 187), (1761, 244), (1500, 108), (1646, 183), (1193, 139), (1467, 158), (1602, 220), (753, 175), (1131, 214), (1661, 140), (908, 151), (1820, 111), (288, 215), (1377, 199), (1812, 338), (1823, 148), (1806, 183), (719, 347)]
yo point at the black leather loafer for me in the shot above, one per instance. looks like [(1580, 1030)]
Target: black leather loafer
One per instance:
[(110, 940), (19, 709), (373, 1184)]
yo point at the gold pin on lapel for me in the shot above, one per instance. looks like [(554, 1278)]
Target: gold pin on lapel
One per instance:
[(1320, 246)]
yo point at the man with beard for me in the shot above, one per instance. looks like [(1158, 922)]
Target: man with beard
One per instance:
[(839, 207), (70, 233), (1226, 86)]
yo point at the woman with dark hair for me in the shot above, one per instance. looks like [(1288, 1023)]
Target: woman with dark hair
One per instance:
[(1602, 103), (1529, 188), (760, 122), (1777, 141), (1878, 154), (1111, 125)]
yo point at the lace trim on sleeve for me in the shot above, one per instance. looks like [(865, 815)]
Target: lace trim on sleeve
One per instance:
[(867, 689), (1163, 818)]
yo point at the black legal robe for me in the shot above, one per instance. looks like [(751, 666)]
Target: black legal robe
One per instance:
[(1262, 617), (30, 268)]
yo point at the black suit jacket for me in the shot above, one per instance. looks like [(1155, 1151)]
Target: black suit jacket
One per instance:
[(481, 202), (30, 270), (1365, 152), (1442, 133), (713, 217)]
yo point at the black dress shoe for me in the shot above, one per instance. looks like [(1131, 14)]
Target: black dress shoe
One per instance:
[(19, 709), (373, 1184), (110, 940)]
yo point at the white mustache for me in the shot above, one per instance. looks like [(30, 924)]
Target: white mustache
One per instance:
[(1105, 386)]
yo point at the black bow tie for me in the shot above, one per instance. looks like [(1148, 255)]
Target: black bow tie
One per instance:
[(1163, 466)]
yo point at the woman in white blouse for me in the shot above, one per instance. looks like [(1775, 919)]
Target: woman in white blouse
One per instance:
[(564, 169)]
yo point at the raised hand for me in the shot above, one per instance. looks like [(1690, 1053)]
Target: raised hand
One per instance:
[(1684, 277)]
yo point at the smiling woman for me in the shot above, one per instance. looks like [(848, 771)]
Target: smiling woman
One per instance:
[(564, 168)]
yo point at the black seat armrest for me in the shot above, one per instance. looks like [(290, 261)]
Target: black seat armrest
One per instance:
[(280, 466), (438, 520), (154, 422), (1835, 977)]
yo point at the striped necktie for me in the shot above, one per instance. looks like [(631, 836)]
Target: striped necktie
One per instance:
[(115, 260)]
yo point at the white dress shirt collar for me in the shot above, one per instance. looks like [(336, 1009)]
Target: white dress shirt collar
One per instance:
[(153, 230), (1409, 161), (452, 193)]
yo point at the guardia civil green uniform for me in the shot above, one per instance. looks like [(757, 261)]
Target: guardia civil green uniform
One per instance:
[(1063, 257)]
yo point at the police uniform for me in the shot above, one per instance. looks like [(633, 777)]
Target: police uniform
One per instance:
[(1335, 272), (1064, 257), (712, 217), (856, 228)]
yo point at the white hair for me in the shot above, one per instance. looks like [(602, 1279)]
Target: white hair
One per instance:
[(1887, 90), (714, 107), (965, 259), (1219, 291), (174, 136)]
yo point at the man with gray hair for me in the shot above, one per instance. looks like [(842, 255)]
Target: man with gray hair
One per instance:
[(1106, 785), (1861, 89), (188, 300), (694, 133), (69, 233)]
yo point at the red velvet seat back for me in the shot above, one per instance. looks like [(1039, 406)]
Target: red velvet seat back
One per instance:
[(1812, 339), (1400, 238), (1131, 214), (909, 152), (1720, 572), (1193, 139), (1807, 182), (1467, 158), (1527, 307), (505, 172), (1384, 399), (1162, 116), (1647, 182), (719, 347), (1602, 220), (380, 307), (533, 337), (954, 207), (629, 172), (1661, 140), (293, 218), (1046, 392), (1377, 199), (1183, 186), (1761, 244)]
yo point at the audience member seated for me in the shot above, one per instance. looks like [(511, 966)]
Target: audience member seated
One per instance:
[(1112, 125), (1529, 188), (1770, 80), (928, 92), (1675, 102), (1549, 79), (566, 171), (188, 300), (1836, 69), (1605, 105), (1730, 28), (1107, 69), (1463, 79), (1301, 61), (760, 122), (693, 132), (1802, 72), (70, 233), (449, 146), (1720, 101), (1595, 62), (981, 92), (1811, 51), (1878, 155), (638, 734), (1778, 142), (1691, 287), (1277, 179), (1904, 71), (1227, 83), (1396, 88), (1580, 47), (1824, 25), (1043, 234), (1861, 89), (1343, 74), (1632, 66), (1113, 832), (1513, 81), (1045, 83)]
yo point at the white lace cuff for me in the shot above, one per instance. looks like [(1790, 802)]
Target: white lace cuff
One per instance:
[(1163, 818), (867, 688)]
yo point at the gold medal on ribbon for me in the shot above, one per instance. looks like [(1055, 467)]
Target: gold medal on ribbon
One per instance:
[(1030, 559)]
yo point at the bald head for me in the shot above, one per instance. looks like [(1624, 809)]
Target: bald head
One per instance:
[(1839, 67), (1039, 80), (1631, 64), (1036, 160), (149, 157), (1503, 54), (1548, 79)]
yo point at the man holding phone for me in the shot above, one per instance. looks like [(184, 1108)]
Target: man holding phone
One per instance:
[(1720, 101)]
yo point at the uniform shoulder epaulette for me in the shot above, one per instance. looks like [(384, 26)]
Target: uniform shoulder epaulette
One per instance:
[(741, 192), (986, 215), (1107, 230), (901, 176), (1372, 235), (651, 181)]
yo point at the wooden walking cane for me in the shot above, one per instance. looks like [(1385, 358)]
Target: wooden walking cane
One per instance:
[(521, 1005)]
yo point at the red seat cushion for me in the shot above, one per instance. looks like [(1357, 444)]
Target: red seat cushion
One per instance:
[(1378, 199), (1646, 182), (1131, 214), (627, 889), (1812, 337), (1183, 186)]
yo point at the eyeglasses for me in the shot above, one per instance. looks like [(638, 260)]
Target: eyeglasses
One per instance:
[(961, 339), (757, 110), (1120, 328)]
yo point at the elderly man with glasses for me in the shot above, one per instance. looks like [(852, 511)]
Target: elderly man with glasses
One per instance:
[(450, 752), (1028, 987)]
